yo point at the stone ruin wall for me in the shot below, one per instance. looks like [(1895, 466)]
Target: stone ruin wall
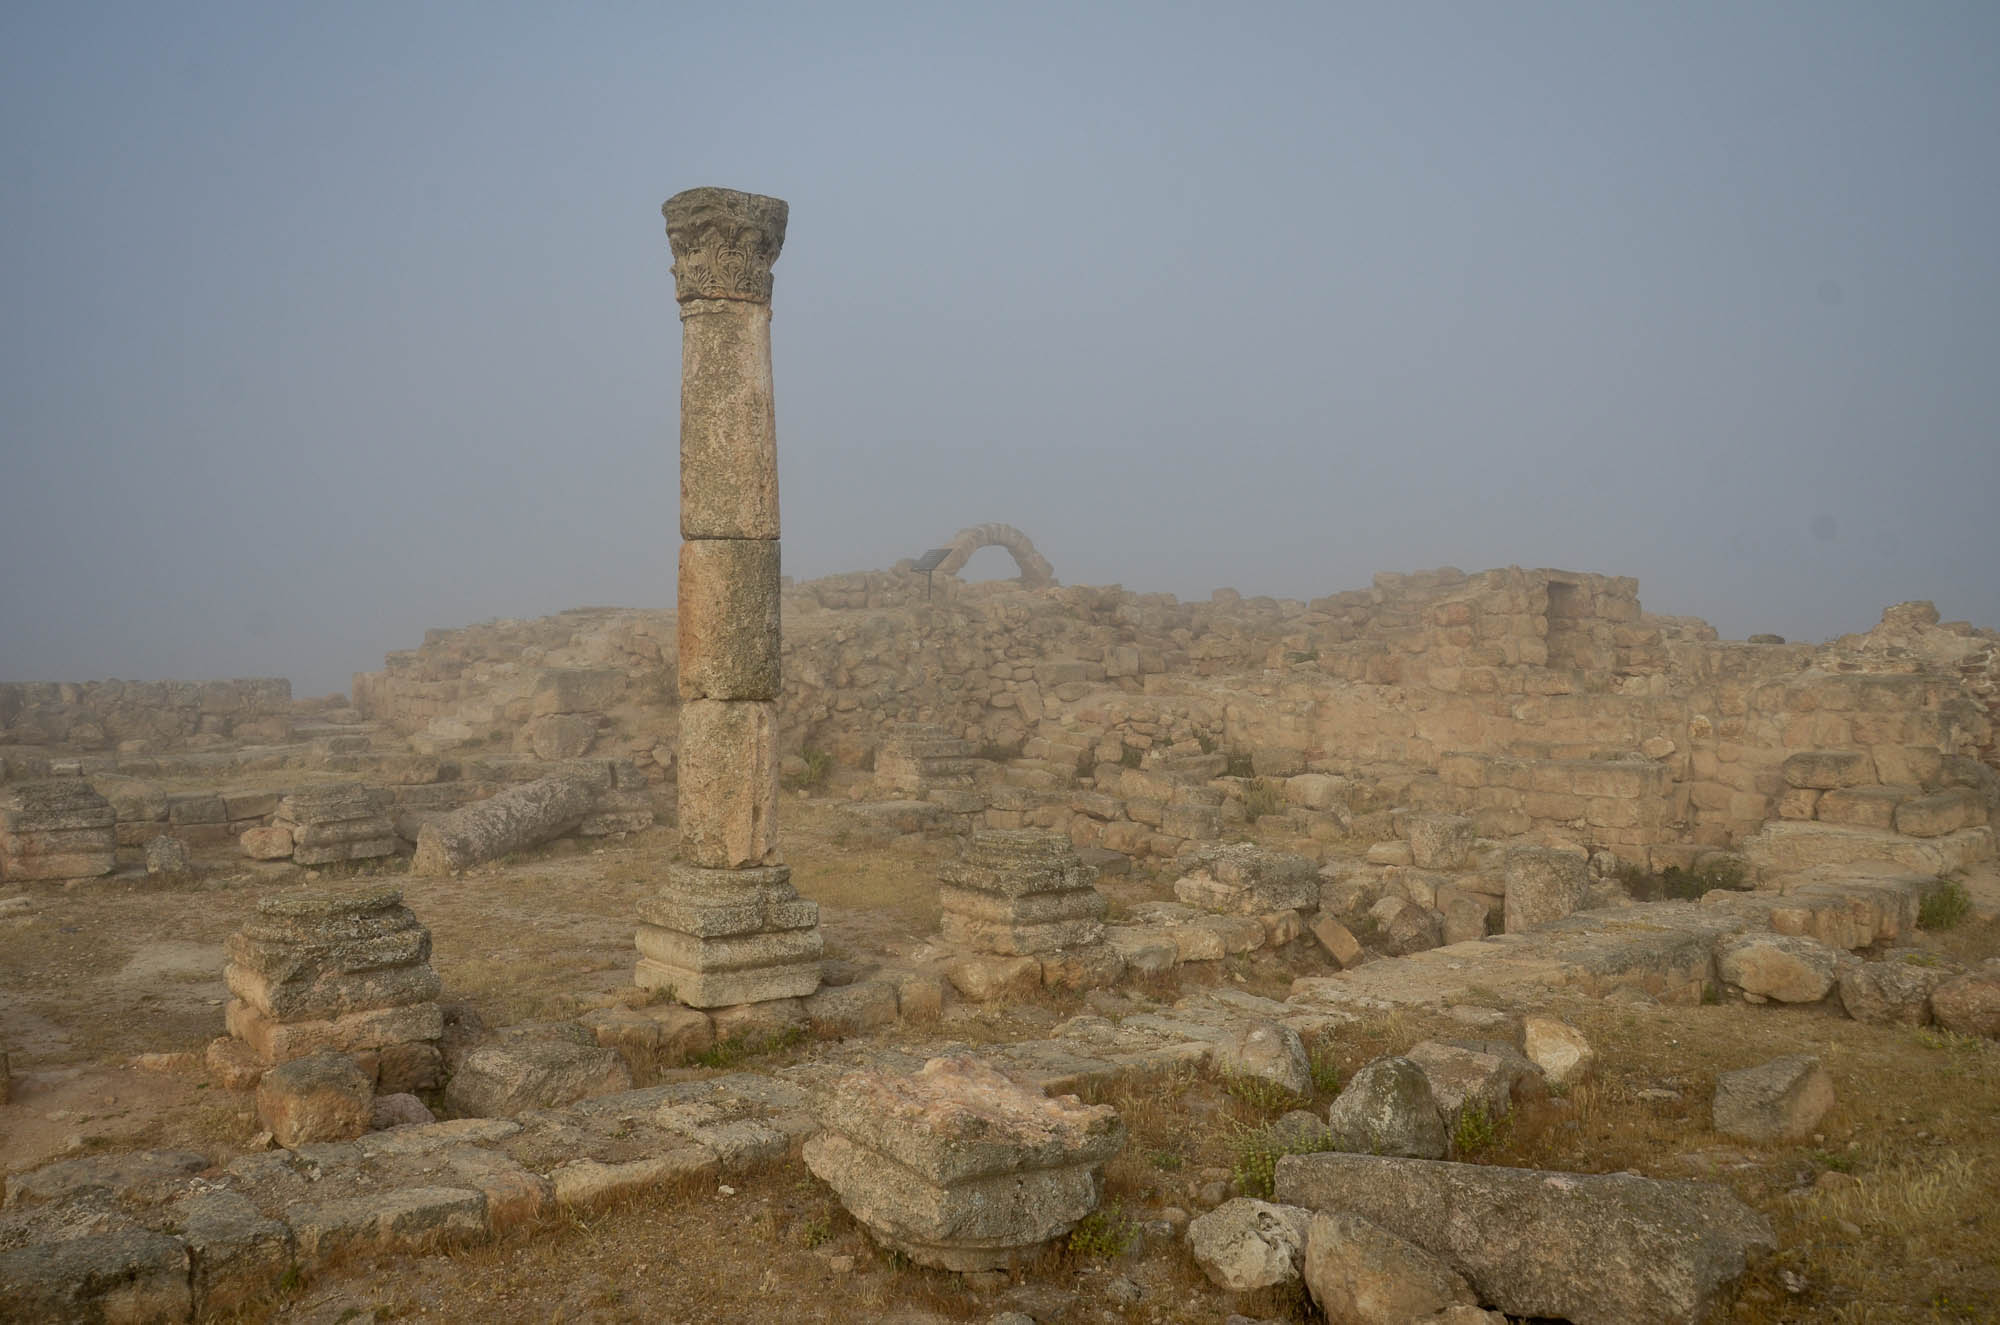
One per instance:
[(145, 716), (1537, 701)]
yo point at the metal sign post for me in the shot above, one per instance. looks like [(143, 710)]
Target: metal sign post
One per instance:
[(929, 562)]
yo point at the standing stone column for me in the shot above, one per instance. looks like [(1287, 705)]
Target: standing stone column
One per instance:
[(728, 927)]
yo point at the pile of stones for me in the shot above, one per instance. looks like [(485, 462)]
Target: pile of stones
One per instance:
[(957, 1166), (1019, 891), (323, 826), (56, 830), (342, 971)]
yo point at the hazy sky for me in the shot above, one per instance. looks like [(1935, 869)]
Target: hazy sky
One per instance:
[(326, 324)]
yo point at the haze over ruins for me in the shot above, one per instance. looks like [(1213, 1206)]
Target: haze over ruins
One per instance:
[(1361, 944)]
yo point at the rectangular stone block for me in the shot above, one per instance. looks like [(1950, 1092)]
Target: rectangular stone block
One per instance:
[(333, 994), (718, 989), (729, 433), (405, 1220), (712, 903), (728, 785), (728, 619), (734, 952), (279, 1042)]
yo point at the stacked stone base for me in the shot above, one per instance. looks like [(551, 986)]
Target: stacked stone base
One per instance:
[(56, 830), (1020, 891), (715, 938), (959, 1167), (348, 972), (332, 824), (928, 763)]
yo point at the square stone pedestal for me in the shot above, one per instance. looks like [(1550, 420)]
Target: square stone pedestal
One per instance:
[(718, 937)]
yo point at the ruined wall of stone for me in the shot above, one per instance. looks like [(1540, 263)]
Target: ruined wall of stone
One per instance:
[(145, 715)]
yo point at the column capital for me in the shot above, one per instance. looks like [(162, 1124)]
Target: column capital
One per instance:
[(724, 243)]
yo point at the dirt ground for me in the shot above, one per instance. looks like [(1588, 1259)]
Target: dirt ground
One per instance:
[(1888, 1214)]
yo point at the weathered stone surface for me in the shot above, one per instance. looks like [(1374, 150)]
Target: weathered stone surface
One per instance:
[(536, 1067), (406, 1219), (330, 993), (986, 978), (276, 1042), (1785, 967), (1941, 812), (1596, 1249), (714, 937), (586, 1184), (1485, 1076), (852, 1009), (1244, 879), (1268, 1050), (1361, 1273), (400, 1109), (728, 786), (1969, 1004), (61, 803), (956, 1165), (1863, 807), (1782, 1100), (1402, 927), (1089, 966), (1543, 886), (1558, 1048), (728, 619), (1245, 1244), (143, 1176), (1466, 916), (1440, 841), (271, 843), (168, 857), (128, 1275), (1890, 992), (1828, 770), (321, 1097), (233, 1064), (238, 1255), (1387, 1108), (513, 820), (559, 736), (1338, 940)]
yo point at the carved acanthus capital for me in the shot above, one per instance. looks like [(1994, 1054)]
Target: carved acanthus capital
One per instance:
[(724, 243)]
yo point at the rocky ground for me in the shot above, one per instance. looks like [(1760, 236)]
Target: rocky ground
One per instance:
[(1883, 1212)]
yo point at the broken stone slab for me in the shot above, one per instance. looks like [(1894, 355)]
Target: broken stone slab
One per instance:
[(237, 1253), (1388, 1108), (1244, 879), (1969, 1004), (145, 1177), (1595, 1249), (125, 1275), (1482, 1075), (1402, 927), (1829, 770), (1941, 812), (1246, 1244), (1359, 1272), (407, 1219), (1558, 1048), (1892, 991), (1267, 1050), (513, 820), (321, 1097), (958, 1166), (534, 1067), (1784, 967), (1543, 886), (1782, 1100), (1440, 841)]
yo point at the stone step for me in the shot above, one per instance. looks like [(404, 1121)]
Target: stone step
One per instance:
[(1789, 846)]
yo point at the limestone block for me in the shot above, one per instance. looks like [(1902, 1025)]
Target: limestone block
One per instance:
[(562, 735), (238, 1254), (1338, 940), (1489, 1077), (1970, 1004), (1941, 812), (1267, 1050), (1782, 1100), (1596, 1249), (1543, 886), (168, 857), (728, 619), (277, 1042), (129, 1274), (407, 1219), (957, 1166), (534, 1067), (1795, 803), (1890, 992), (1559, 1049), (1440, 841), (1359, 1272), (852, 1009), (1088, 966), (321, 1097), (272, 843), (1387, 1108), (1244, 1244), (515, 819), (1788, 968), (1244, 879), (728, 784), (1829, 769), (577, 690), (1465, 915), (1402, 927), (986, 978), (1862, 807)]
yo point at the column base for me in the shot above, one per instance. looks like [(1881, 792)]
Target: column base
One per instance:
[(721, 989)]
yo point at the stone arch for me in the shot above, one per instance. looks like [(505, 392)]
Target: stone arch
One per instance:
[(1036, 573)]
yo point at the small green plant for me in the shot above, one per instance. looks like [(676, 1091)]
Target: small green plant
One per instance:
[(728, 1053), (1325, 1069), (1301, 655), (1474, 1131), (1239, 766), (1946, 908), (1166, 1161), (1920, 959), (1260, 798), (1710, 995), (1102, 1234), (1255, 1152), (1837, 1160), (818, 764), (815, 1232), (1262, 1094)]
